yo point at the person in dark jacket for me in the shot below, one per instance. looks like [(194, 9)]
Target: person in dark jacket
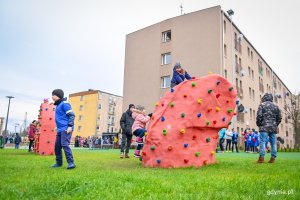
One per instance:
[(179, 74), (126, 124), (31, 133), (64, 119), (235, 137), (268, 118), (18, 140)]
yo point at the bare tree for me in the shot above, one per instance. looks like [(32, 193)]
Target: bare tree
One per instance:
[(292, 111)]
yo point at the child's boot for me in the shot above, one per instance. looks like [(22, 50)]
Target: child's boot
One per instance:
[(137, 154), (261, 160)]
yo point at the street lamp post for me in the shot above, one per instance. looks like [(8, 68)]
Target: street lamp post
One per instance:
[(5, 130)]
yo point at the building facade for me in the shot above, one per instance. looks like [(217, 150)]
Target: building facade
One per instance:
[(96, 112), (203, 41)]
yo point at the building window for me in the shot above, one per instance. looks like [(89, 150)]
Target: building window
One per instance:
[(250, 92), (81, 108), (252, 75), (166, 58), (225, 73), (260, 68), (249, 72), (80, 118), (225, 50), (79, 128), (166, 36), (254, 115), (99, 106), (165, 81), (250, 113), (224, 26), (248, 52), (253, 95), (81, 98), (100, 96), (251, 55)]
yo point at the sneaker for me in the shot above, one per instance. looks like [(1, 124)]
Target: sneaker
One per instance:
[(127, 156), (137, 155), (261, 160), (272, 160), (71, 166), (56, 165), (122, 155)]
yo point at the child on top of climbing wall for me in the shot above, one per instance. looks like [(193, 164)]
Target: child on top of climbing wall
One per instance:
[(179, 74), (138, 127)]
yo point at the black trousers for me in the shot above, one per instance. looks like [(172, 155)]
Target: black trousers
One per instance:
[(30, 144), (236, 148), (126, 141), (221, 144), (228, 144)]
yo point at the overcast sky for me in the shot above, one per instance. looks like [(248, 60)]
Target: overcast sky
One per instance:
[(77, 45)]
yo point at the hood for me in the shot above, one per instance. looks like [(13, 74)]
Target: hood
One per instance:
[(267, 97), (177, 65)]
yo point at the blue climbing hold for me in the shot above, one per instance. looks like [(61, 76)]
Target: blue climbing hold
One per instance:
[(218, 82), (186, 145), (162, 118), (199, 115), (172, 90), (223, 119), (158, 161), (237, 102)]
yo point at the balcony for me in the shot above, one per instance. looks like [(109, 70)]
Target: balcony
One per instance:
[(238, 46)]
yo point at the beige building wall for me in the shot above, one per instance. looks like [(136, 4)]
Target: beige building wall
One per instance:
[(202, 41), (96, 112), (1, 124)]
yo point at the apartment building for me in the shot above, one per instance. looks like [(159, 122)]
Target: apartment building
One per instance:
[(96, 112), (202, 41)]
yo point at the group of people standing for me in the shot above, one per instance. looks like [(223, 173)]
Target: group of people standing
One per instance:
[(231, 138)]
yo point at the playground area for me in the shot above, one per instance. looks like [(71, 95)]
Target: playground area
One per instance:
[(101, 174)]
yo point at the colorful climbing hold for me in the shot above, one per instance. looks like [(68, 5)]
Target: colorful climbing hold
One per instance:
[(186, 160), (229, 110), (199, 115), (229, 123), (184, 95), (218, 109), (185, 145), (162, 104), (218, 82), (209, 91), (146, 133), (212, 153), (172, 104), (182, 115), (182, 131), (223, 119), (162, 118), (170, 148), (230, 89), (197, 154), (165, 132), (218, 95), (172, 90), (207, 123), (152, 148), (209, 109), (214, 122), (207, 140), (158, 161), (141, 158), (144, 153), (199, 101), (227, 101), (194, 137), (193, 84), (156, 104), (237, 102)]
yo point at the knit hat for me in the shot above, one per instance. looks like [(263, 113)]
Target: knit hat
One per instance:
[(131, 105), (177, 65), (59, 93), (140, 108)]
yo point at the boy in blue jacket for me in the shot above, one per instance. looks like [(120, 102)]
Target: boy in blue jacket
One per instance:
[(179, 75), (64, 119), (235, 137)]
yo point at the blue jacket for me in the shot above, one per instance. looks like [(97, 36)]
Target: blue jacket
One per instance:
[(235, 137), (64, 116), (178, 78), (256, 139)]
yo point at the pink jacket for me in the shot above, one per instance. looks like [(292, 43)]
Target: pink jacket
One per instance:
[(31, 132), (140, 121)]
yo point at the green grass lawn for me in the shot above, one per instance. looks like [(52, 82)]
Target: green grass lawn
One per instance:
[(101, 174)]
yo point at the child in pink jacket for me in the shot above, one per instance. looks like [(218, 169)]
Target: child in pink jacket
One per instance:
[(138, 127)]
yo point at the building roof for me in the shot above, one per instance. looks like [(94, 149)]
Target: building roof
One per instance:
[(89, 92)]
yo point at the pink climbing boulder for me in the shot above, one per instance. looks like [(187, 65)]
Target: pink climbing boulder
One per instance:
[(183, 131)]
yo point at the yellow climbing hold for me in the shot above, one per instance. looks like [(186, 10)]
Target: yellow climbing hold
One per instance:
[(200, 101), (182, 131), (218, 109)]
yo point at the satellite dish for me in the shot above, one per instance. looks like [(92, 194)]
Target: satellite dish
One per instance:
[(241, 108)]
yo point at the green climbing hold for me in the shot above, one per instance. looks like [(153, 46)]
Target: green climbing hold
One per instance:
[(172, 104), (207, 140), (197, 154), (209, 91), (165, 132), (182, 115), (193, 84), (229, 110), (207, 122), (231, 88), (229, 123), (152, 148)]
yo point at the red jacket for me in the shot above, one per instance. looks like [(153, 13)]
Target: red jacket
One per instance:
[(31, 132)]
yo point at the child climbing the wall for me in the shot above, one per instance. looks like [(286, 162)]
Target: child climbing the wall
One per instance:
[(64, 118), (179, 74), (138, 127)]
